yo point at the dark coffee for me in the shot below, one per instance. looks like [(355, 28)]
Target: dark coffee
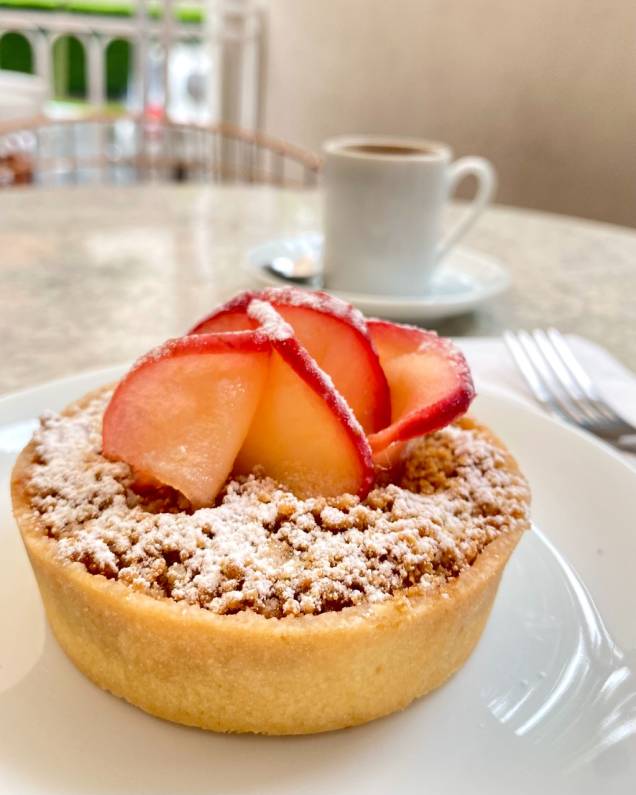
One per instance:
[(382, 149)]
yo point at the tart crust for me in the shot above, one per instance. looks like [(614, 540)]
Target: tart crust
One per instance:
[(246, 673)]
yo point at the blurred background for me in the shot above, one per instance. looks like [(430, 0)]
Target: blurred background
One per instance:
[(546, 90)]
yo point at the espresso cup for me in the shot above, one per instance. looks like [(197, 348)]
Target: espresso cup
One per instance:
[(383, 204)]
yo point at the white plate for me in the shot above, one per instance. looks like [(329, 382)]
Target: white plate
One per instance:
[(465, 280), (547, 703)]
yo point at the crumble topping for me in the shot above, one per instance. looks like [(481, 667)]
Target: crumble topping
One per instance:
[(262, 549)]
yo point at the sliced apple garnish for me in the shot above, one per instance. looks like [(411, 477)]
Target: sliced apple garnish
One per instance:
[(334, 335), (285, 381), (303, 434), (429, 379), (181, 415), (230, 316)]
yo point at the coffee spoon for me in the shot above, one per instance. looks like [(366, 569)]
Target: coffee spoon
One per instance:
[(302, 270)]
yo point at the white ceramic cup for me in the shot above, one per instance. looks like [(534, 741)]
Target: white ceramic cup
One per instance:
[(383, 203)]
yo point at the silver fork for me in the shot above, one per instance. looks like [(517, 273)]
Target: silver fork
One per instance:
[(562, 386)]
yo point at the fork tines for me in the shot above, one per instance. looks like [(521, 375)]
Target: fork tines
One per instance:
[(560, 384)]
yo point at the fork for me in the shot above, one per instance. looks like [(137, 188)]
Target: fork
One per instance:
[(562, 386)]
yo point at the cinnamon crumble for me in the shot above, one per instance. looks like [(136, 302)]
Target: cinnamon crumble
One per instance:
[(262, 549)]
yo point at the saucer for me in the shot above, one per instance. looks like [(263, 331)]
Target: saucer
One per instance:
[(464, 281)]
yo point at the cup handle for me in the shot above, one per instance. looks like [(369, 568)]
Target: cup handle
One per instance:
[(486, 186)]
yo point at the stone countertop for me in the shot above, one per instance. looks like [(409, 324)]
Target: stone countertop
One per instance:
[(91, 277)]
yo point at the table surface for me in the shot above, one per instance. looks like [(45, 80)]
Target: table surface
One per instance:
[(96, 276)]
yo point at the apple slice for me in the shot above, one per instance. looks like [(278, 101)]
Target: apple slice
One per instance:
[(429, 379), (231, 316), (182, 413), (304, 434), (335, 336)]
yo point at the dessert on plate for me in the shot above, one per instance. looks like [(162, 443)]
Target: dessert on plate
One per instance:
[(281, 522)]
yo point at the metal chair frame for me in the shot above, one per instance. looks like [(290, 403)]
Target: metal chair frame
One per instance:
[(89, 150)]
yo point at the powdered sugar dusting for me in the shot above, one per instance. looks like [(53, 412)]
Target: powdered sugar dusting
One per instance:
[(261, 548), (271, 324), (320, 301), (162, 351)]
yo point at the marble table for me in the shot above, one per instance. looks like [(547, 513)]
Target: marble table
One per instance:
[(96, 276)]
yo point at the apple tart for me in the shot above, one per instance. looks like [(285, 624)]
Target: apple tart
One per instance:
[(223, 541)]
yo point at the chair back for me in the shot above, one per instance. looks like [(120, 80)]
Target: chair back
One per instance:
[(127, 149)]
